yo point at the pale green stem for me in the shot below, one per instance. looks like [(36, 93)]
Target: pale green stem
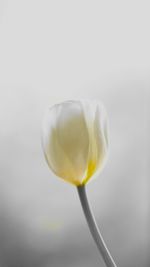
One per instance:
[(94, 228)]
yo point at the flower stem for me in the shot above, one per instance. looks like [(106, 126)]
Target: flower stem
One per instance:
[(94, 228)]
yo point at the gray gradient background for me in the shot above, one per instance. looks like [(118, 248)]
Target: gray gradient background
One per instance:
[(51, 51)]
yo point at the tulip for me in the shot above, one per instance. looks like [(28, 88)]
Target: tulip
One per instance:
[(75, 140), (75, 145)]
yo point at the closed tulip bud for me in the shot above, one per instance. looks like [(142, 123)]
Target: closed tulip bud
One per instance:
[(75, 140)]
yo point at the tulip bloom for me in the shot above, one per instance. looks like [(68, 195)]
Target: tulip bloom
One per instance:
[(75, 140), (75, 144)]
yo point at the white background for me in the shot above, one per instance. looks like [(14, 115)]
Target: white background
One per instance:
[(51, 51)]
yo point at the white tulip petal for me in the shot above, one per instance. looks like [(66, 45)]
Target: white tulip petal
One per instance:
[(96, 120), (55, 156), (101, 134), (67, 147)]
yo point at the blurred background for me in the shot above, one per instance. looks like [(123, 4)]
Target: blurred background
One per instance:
[(51, 51)]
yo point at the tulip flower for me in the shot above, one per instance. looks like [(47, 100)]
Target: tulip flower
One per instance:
[(75, 145)]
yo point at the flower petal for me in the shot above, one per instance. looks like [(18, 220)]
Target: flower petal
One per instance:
[(96, 120), (101, 134), (66, 141)]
